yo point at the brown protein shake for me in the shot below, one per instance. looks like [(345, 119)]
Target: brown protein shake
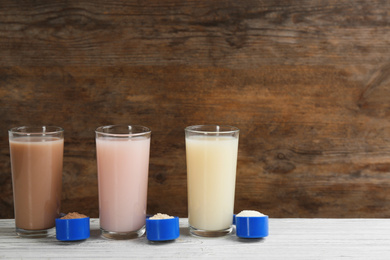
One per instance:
[(36, 162)]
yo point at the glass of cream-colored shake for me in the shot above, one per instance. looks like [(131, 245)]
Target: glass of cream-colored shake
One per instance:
[(123, 165), (211, 153), (36, 163)]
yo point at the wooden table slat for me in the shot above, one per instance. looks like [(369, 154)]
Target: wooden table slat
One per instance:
[(288, 239)]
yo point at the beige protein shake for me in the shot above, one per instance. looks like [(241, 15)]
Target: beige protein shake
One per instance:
[(211, 153)]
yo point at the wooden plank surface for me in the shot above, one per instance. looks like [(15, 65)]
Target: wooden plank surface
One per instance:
[(288, 239), (307, 82)]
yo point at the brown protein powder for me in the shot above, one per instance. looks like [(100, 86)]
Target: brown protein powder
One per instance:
[(73, 215)]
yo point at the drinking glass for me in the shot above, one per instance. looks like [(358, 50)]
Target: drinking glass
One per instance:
[(211, 153), (36, 164), (123, 164)]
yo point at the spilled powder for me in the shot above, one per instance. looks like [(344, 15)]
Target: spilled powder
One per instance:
[(161, 216), (249, 213), (74, 215)]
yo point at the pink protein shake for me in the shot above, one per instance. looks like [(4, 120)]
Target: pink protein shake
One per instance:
[(123, 164)]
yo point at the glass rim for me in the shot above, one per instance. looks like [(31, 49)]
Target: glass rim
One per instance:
[(219, 129), (100, 130), (36, 130)]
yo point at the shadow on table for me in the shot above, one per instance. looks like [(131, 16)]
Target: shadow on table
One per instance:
[(185, 232), (234, 237), (247, 240), (95, 233), (9, 231)]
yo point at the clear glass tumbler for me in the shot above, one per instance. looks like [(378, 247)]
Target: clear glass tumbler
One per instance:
[(211, 153), (123, 165), (36, 164)]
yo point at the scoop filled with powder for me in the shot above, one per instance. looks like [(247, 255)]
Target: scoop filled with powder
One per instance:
[(251, 224), (162, 227), (72, 227)]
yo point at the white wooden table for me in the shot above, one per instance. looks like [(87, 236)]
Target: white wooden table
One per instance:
[(288, 239)]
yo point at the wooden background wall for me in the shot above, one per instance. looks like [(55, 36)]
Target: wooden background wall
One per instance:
[(307, 82)]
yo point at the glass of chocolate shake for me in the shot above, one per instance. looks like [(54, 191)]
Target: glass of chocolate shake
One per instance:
[(36, 163)]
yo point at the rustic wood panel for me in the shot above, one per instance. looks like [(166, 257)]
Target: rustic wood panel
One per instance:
[(307, 82)]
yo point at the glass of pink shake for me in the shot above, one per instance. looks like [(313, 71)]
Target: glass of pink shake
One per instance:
[(36, 164), (123, 165)]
